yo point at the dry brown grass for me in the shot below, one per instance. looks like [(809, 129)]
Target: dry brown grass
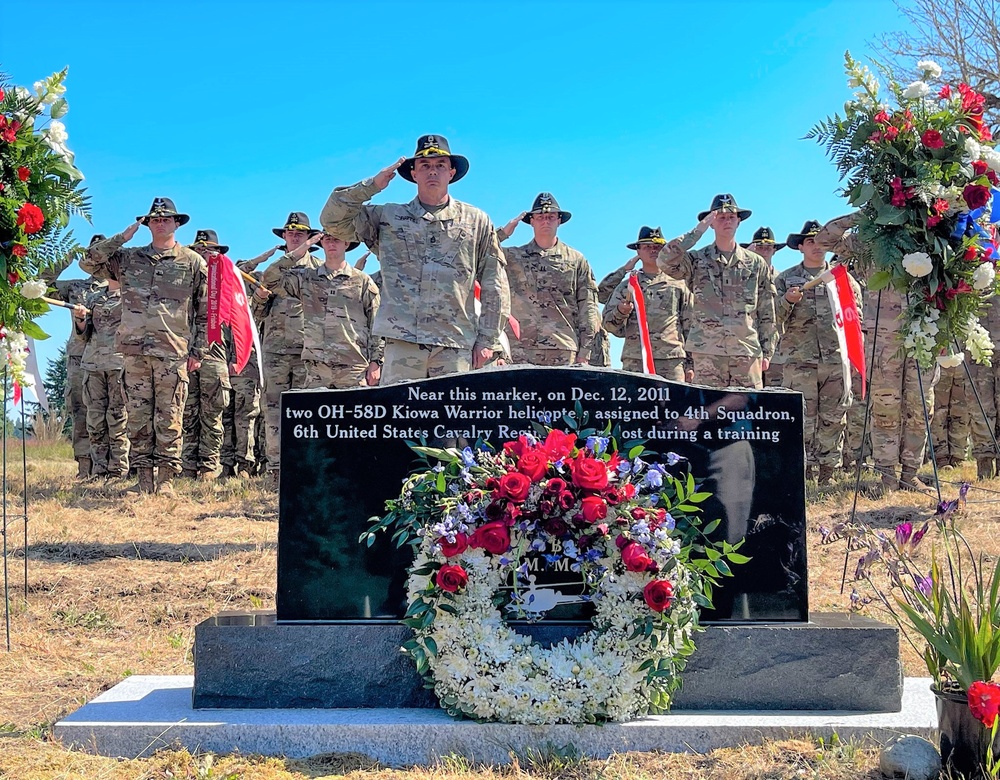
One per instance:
[(117, 585)]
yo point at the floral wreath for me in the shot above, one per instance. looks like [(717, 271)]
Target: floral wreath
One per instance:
[(628, 529)]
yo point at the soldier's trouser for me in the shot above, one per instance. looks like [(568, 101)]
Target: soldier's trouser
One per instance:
[(325, 375), (107, 421), (775, 375), (726, 371), (672, 368), (899, 434), (260, 440), (281, 373), (405, 360), (543, 357), (76, 407), (856, 424), (600, 352), (239, 420), (825, 414), (985, 429), (954, 406), (208, 396), (156, 389)]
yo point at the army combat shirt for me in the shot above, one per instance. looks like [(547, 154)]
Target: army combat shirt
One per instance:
[(282, 312), (101, 326), (163, 297), (430, 263), (669, 309)]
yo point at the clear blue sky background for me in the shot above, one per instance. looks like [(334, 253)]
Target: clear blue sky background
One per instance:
[(631, 113)]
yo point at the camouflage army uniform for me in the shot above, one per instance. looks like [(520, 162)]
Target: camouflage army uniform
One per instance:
[(987, 386), (809, 351), (775, 374), (898, 430), (954, 407), (282, 345), (74, 291), (602, 344), (209, 391), (430, 261), (553, 296), (163, 324), (735, 326), (104, 386), (669, 309), (338, 310)]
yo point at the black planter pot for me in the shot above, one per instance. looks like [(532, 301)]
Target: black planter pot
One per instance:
[(964, 740)]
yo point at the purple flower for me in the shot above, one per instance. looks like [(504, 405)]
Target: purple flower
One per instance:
[(903, 533), (919, 535), (673, 458), (924, 585)]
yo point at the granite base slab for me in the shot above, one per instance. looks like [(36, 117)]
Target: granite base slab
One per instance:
[(143, 714), (833, 662)]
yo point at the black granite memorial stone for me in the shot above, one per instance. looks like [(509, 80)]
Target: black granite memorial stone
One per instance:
[(345, 452)]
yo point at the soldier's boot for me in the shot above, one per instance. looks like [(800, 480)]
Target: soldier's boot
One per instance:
[(83, 467), (825, 475), (810, 472), (984, 468), (889, 481), (908, 481), (145, 483), (189, 473), (271, 479), (228, 472), (165, 482), (207, 476)]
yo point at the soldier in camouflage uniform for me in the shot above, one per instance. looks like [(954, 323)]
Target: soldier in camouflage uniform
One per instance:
[(432, 251), (339, 304), (954, 407), (75, 291), (607, 286), (898, 430), (553, 295), (763, 244), (162, 336), (669, 309), (809, 350), (282, 316), (209, 391), (987, 387), (104, 385), (732, 340)]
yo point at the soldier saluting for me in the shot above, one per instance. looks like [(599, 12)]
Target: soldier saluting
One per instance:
[(432, 251)]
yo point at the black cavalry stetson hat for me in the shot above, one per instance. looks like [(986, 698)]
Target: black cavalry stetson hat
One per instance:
[(163, 207), (297, 220), (434, 146), (209, 239), (764, 235), (725, 202), (97, 237), (810, 229), (648, 235), (546, 204)]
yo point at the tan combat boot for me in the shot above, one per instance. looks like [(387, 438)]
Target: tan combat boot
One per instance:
[(908, 481), (889, 482), (165, 482), (83, 467), (145, 483), (207, 476), (984, 468)]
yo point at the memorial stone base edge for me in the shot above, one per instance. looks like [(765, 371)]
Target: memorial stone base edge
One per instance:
[(246, 660)]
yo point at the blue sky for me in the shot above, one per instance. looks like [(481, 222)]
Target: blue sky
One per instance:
[(630, 113)]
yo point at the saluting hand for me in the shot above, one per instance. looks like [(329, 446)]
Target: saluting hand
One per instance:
[(707, 222), (386, 175), (631, 263), (511, 226), (130, 231)]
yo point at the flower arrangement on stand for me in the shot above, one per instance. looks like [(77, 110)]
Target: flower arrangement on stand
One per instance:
[(921, 170), (485, 525), (40, 189), (945, 598)]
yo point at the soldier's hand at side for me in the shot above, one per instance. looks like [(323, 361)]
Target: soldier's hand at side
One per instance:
[(511, 226), (372, 374), (193, 364), (387, 174), (793, 295), (130, 231), (689, 375), (764, 364), (481, 356), (232, 369)]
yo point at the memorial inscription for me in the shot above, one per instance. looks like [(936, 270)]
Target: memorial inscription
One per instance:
[(344, 452)]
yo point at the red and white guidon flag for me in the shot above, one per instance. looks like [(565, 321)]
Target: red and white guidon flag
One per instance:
[(228, 305), (847, 324), (645, 345)]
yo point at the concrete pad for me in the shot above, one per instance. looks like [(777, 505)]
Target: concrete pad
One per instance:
[(144, 713)]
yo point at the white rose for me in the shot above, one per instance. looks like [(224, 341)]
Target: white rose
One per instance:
[(57, 131), (918, 263), (992, 158), (33, 289), (41, 88), (929, 68), (972, 148), (917, 89), (951, 361), (983, 276)]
